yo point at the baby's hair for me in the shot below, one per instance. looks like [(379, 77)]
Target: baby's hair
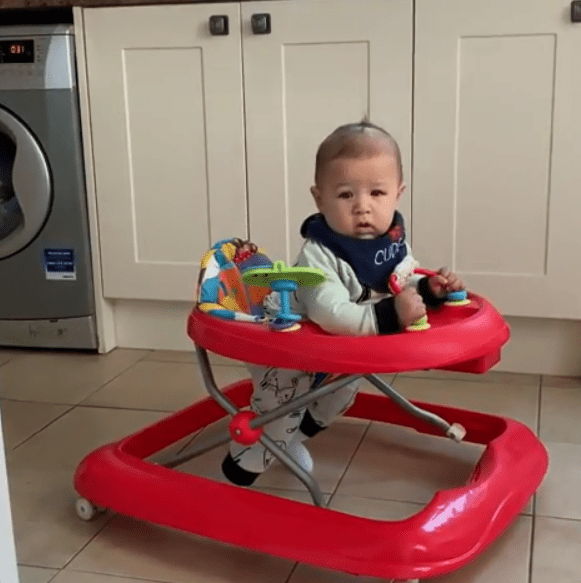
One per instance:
[(356, 140)]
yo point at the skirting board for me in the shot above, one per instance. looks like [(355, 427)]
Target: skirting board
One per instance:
[(537, 346)]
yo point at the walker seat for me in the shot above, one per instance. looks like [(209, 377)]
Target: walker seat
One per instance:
[(454, 528)]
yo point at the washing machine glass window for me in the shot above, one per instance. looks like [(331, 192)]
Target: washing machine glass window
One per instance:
[(25, 190), (11, 216)]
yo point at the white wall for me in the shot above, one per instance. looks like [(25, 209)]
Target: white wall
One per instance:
[(8, 569)]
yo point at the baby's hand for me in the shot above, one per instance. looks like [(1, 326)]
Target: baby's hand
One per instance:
[(409, 306), (445, 281)]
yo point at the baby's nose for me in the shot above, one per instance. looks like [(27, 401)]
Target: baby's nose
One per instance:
[(361, 205)]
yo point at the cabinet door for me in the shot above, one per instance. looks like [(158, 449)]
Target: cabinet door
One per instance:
[(497, 145), (168, 137), (325, 63)]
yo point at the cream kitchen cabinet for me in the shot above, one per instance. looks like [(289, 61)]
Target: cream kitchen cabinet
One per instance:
[(166, 107), (182, 121), (324, 64), (497, 145)]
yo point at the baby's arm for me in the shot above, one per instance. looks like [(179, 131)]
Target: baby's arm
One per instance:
[(422, 283), (330, 305)]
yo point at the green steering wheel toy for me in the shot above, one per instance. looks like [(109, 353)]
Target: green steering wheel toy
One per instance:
[(284, 280)]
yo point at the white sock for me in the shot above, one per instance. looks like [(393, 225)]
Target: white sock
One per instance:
[(300, 453)]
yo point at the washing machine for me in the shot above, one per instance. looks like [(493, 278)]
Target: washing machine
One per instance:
[(46, 285)]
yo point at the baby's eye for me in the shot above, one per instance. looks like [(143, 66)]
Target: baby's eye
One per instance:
[(345, 194), (378, 193)]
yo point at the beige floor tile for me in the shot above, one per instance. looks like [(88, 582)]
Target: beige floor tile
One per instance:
[(372, 508), (556, 551), (161, 386), (395, 463), (63, 378), (35, 574), (507, 559), (6, 354), (331, 451), (47, 530), (128, 548), (190, 356), (559, 496), (296, 495), (518, 401), (184, 356), (63, 444), (70, 576), (491, 376), (20, 420), (561, 382), (561, 410)]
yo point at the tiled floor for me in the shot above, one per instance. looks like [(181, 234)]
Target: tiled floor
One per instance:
[(58, 407)]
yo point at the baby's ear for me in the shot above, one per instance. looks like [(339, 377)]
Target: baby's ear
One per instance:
[(316, 195), (401, 190)]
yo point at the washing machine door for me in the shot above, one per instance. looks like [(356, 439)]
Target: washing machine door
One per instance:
[(25, 191)]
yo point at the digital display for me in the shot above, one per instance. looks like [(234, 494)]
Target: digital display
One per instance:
[(16, 51)]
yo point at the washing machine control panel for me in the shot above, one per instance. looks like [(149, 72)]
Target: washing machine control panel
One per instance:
[(37, 62)]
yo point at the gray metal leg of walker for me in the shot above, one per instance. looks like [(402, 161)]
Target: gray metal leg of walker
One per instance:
[(305, 477), (455, 431)]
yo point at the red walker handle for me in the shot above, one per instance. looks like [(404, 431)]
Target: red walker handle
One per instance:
[(396, 288)]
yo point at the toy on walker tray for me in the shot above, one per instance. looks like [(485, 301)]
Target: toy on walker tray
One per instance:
[(132, 477)]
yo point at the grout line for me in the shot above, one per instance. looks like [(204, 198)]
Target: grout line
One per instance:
[(106, 521), (348, 464), (120, 408), (114, 576), (576, 520), (534, 504), (295, 566), (14, 448), (532, 549)]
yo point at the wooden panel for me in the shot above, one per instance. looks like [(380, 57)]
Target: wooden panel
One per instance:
[(325, 64), (503, 154), (168, 135), (496, 136)]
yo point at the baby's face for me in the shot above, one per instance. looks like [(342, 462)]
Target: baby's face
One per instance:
[(358, 196)]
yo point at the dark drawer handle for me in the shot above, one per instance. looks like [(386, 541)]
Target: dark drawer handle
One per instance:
[(261, 23), (576, 11), (219, 25)]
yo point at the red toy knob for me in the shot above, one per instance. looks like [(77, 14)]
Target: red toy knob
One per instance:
[(241, 431)]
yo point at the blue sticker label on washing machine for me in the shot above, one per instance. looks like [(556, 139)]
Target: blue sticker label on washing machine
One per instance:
[(59, 264)]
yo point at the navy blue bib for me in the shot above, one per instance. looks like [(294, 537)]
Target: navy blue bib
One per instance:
[(373, 260)]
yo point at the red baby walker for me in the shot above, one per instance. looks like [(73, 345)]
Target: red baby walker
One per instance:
[(456, 526)]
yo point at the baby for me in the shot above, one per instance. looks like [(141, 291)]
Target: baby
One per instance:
[(358, 240)]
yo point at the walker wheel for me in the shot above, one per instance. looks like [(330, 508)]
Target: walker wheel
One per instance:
[(456, 432), (87, 510)]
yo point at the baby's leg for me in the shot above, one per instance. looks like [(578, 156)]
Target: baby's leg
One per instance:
[(320, 414), (272, 388)]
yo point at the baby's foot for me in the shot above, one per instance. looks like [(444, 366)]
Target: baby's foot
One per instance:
[(301, 455)]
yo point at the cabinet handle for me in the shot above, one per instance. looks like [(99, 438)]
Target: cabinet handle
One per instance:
[(219, 25), (261, 23), (576, 11)]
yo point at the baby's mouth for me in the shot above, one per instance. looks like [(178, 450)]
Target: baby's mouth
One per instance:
[(363, 225)]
